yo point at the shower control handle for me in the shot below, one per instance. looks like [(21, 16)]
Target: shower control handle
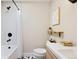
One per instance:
[(8, 40)]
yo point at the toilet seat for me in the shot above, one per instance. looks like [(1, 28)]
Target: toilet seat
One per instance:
[(39, 51)]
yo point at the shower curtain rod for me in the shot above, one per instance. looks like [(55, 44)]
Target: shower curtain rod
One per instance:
[(15, 4)]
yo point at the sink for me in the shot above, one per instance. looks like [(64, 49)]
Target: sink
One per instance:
[(56, 46), (62, 52)]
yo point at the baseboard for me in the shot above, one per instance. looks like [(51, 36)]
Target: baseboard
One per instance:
[(28, 54)]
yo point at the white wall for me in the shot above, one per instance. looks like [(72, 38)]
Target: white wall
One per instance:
[(68, 18), (35, 22)]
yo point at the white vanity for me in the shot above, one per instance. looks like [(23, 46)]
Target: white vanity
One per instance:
[(58, 51)]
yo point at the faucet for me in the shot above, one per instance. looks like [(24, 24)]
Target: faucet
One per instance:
[(8, 40)]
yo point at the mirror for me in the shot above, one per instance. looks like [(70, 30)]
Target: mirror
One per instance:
[(56, 17)]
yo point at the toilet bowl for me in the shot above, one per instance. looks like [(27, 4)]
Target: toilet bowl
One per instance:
[(39, 53)]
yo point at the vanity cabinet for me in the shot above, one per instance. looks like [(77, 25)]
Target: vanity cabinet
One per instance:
[(50, 55)]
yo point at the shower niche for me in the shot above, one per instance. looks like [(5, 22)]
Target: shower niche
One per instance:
[(10, 30), (9, 23)]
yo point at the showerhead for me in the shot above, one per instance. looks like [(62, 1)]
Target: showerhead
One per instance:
[(8, 7)]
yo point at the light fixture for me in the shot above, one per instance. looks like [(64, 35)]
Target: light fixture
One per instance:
[(73, 1)]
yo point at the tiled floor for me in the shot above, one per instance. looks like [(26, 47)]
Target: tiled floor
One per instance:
[(29, 57)]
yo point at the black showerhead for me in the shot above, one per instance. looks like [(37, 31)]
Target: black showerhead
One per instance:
[(8, 7)]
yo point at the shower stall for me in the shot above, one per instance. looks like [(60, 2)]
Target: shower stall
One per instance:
[(11, 34)]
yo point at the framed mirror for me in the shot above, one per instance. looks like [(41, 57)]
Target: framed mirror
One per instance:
[(56, 17)]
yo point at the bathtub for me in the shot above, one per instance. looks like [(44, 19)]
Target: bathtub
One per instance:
[(7, 51)]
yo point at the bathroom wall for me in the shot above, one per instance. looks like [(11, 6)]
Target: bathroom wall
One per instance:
[(35, 22), (68, 19)]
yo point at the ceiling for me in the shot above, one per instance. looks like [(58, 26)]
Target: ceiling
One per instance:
[(28, 0)]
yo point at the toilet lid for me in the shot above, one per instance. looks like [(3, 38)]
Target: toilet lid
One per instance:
[(40, 51)]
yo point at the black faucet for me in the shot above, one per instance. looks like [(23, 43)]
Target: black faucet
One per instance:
[(8, 40)]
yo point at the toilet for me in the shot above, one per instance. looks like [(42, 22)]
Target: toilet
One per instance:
[(39, 53)]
